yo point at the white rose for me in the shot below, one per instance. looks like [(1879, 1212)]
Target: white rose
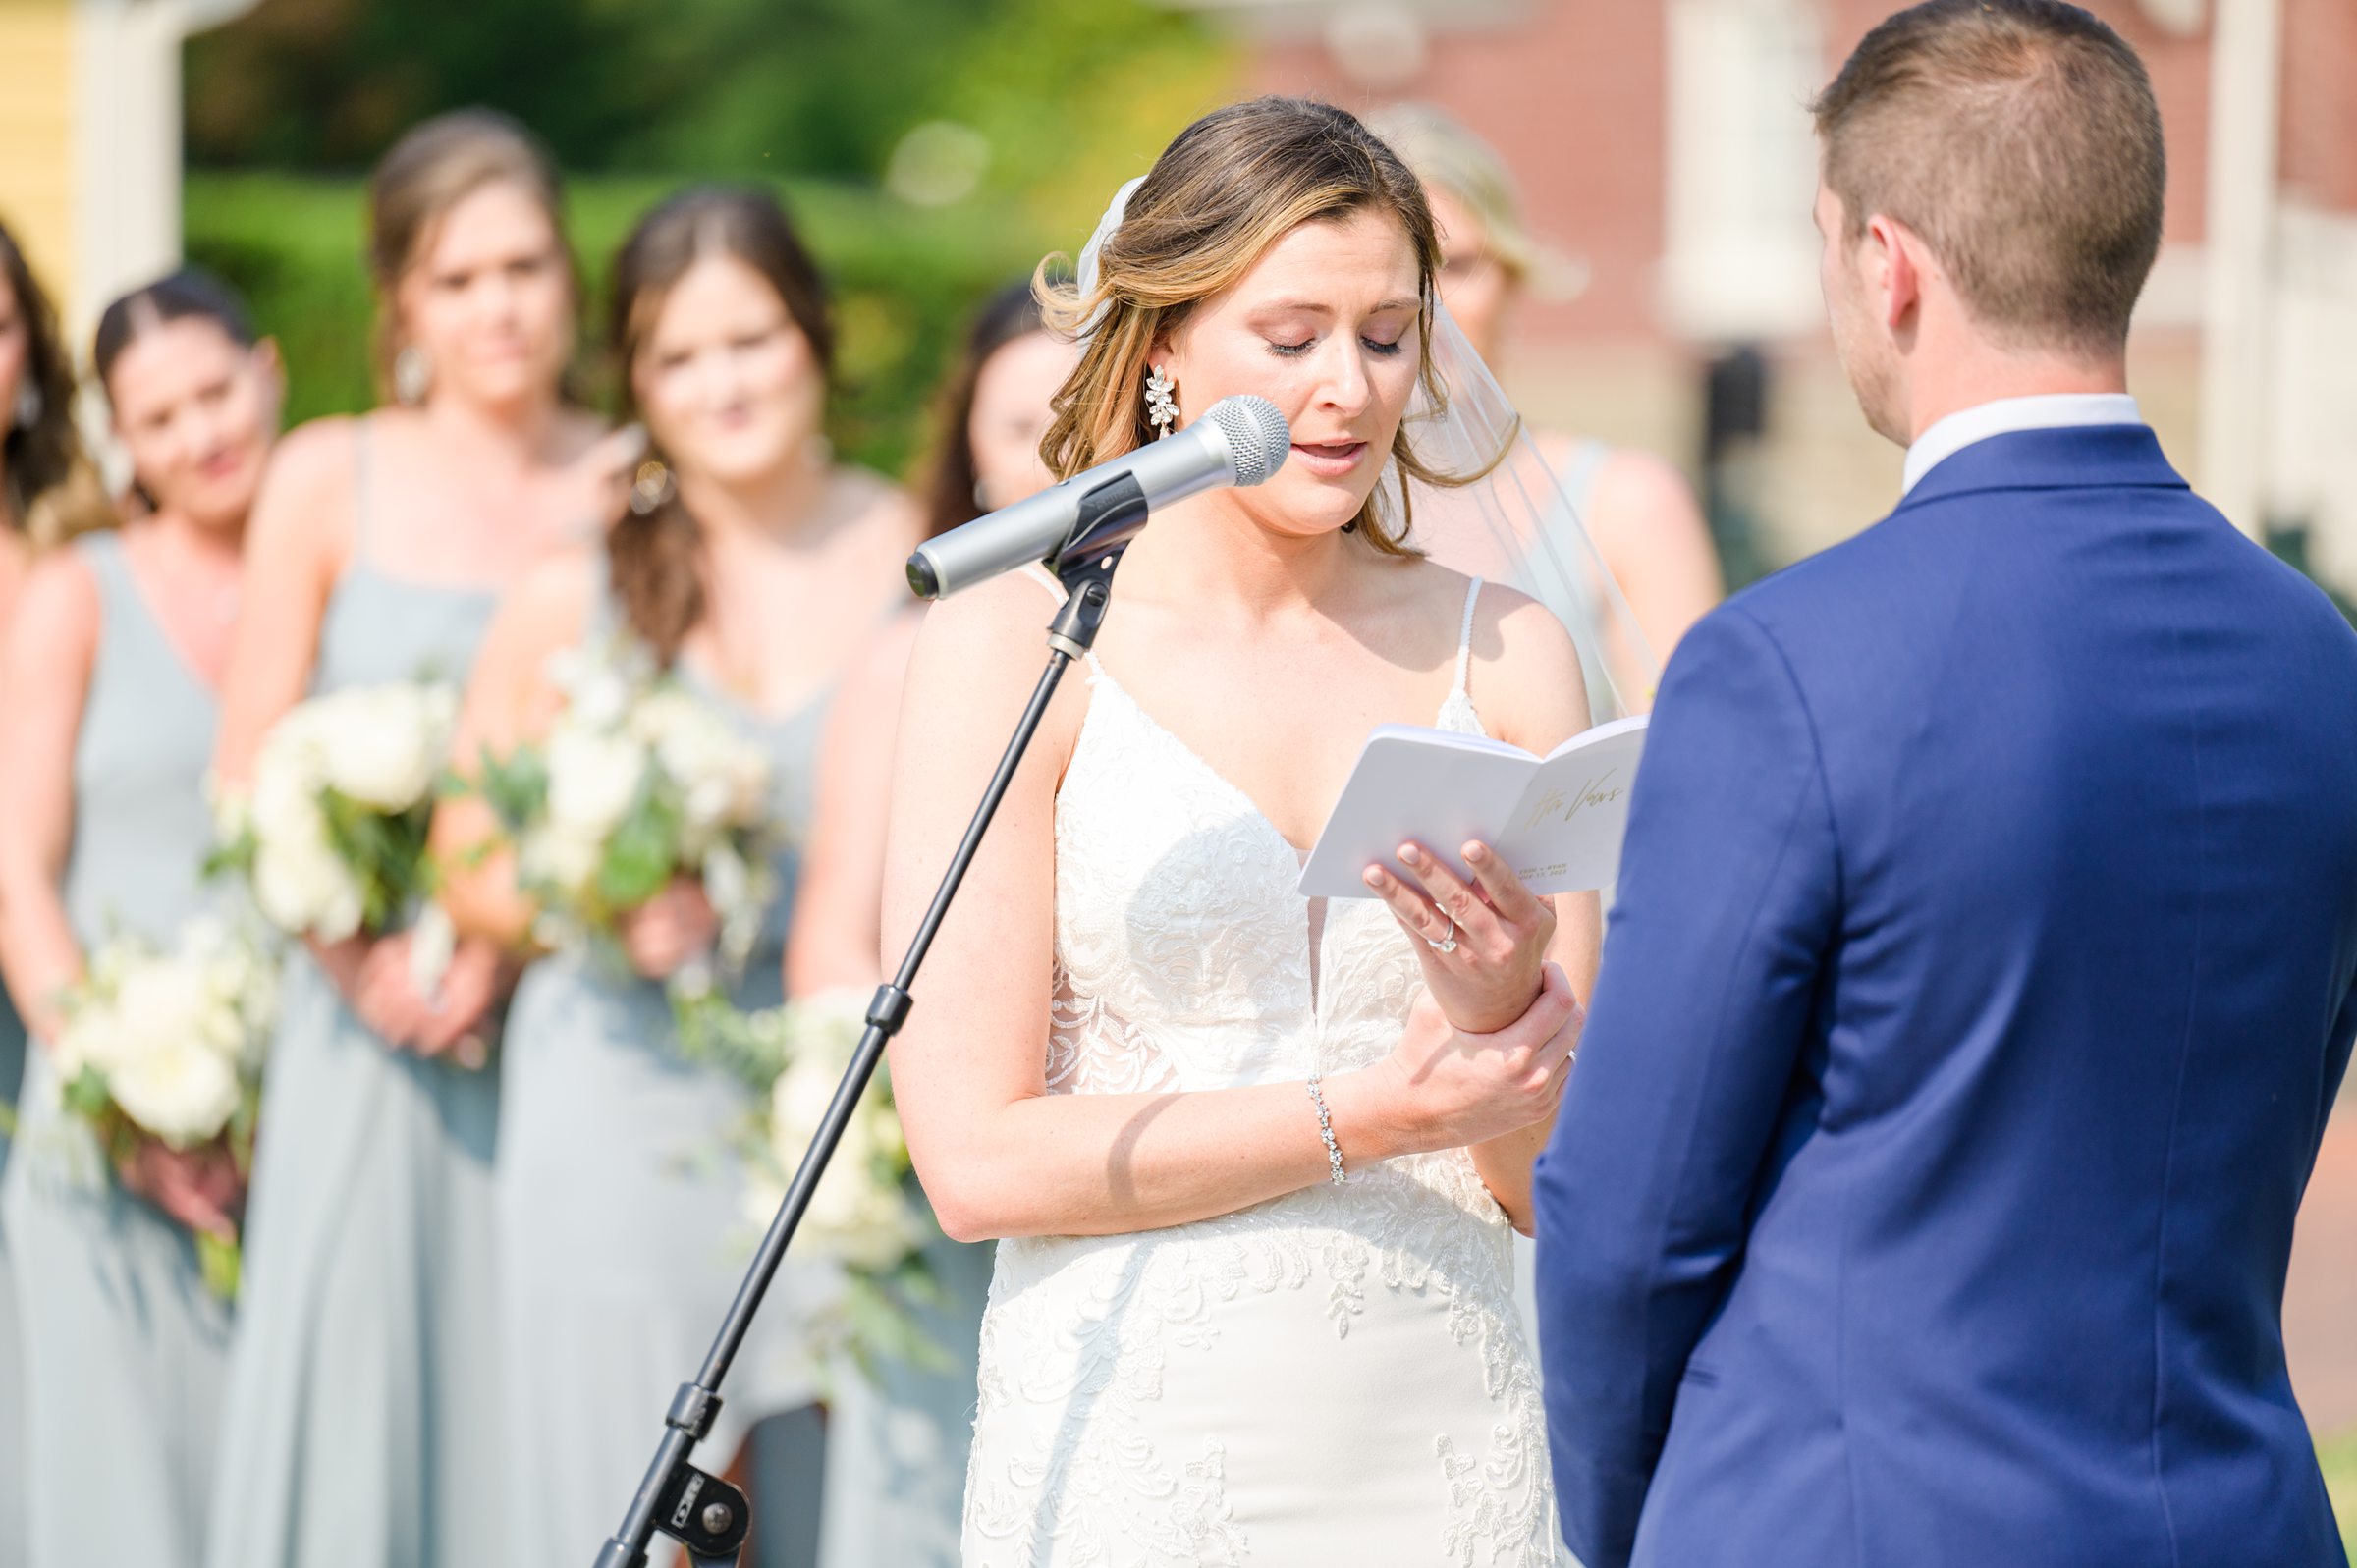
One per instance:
[(286, 772), (596, 687), (384, 745), (559, 857), (232, 810), (593, 779), (177, 1088), (165, 998), (853, 1214), (93, 1037), (720, 778), (301, 884)]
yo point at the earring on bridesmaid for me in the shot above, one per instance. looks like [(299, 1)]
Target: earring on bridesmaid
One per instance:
[(1162, 406), (651, 487), (413, 376), (29, 404)]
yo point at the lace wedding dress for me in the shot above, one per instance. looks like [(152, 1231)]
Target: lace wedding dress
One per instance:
[(1333, 1376)]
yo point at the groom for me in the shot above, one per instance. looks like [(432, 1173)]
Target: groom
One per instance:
[(1982, 973)]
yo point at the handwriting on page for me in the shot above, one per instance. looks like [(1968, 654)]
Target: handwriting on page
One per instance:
[(1556, 805)]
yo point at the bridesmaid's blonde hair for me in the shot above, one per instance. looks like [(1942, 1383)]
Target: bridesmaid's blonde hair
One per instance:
[(1229, 186)]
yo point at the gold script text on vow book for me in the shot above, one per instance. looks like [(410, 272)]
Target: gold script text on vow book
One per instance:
[(1556, 819)]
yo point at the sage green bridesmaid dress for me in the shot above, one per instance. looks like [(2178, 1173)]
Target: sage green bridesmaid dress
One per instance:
[(363, 1414), (123, 1345), (624, 1221)]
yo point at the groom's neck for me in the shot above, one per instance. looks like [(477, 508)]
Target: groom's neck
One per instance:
[(1975, 373)]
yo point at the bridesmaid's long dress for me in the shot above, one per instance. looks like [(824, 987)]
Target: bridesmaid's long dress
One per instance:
[(897, 1447), (12, 1371), (364, 1427), (123, 1345), (623, 1216)]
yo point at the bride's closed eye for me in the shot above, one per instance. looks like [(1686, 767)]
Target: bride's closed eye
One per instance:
[(1289, 350)]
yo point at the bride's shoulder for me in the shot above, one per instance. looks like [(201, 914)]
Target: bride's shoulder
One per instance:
[(1524, 673), (993, 627), (1509, 629), (978, 657)]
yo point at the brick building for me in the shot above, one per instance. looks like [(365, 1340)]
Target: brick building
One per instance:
[(1666, 144)]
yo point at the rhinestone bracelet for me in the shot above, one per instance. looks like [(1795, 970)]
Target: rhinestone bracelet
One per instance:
[(1333, 1153)]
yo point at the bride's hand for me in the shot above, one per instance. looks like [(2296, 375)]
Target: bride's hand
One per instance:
[(1480, 945), (1447, 1088)]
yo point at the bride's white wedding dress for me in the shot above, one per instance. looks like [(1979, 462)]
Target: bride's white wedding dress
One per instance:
[(1334, 1376)]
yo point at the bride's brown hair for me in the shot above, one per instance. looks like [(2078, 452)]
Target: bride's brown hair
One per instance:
[(1226, 188)]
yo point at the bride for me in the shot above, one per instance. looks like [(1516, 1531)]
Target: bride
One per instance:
[(1216, 1334)]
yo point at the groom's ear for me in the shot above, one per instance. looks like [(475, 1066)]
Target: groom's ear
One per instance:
[(1894, 262)]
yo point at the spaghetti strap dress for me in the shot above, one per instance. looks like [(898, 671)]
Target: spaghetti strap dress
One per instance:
[(123, 1344), (364, 1425), (12, 1371), (625, 1222)]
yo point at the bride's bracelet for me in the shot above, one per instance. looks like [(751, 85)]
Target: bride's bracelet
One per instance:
[(1333, 1153)]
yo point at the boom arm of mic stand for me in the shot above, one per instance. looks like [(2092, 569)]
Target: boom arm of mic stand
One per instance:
[(706, 1515)]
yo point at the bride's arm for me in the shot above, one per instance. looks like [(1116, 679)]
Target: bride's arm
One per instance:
[(998, 1153)]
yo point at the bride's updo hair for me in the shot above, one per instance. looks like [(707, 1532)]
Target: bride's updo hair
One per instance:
[(1232, 185)]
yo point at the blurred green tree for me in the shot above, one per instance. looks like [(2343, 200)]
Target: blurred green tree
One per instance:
[(741, 87), (930, 149)]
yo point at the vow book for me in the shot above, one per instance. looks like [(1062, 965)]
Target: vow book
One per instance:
[(1556, 820)]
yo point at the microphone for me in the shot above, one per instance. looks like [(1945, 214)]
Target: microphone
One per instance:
[(1239, 440)]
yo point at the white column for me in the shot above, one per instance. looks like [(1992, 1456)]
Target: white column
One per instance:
[(2246, 70), (127, 144)]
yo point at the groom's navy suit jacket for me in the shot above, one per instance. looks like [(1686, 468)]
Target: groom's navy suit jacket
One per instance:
[(1979, 985)]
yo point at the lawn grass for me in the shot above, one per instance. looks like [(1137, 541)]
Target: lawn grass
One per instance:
[(2340, 1457)]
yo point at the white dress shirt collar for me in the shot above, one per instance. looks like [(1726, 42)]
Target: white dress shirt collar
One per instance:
[(2046, 412)]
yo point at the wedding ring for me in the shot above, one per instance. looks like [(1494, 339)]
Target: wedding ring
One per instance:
[(1447, 944)]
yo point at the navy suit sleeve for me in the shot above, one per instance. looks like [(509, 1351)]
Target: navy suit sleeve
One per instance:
[(1729, 897)]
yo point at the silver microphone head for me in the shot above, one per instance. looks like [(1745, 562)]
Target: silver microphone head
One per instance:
[(1257, 436)]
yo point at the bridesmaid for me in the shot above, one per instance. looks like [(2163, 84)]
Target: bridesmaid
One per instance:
[(39, 466), (1637, 507), (993, 416), (114, 658), (749, 562), (897, 1447), (362, 1425)]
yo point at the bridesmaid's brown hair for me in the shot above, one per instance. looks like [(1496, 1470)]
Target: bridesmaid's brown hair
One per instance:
[(437, 164), (654, 555), (49, 492)]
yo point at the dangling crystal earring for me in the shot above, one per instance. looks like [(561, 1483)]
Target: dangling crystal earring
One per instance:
[(412, 375), (30, 407), (1162, 407)]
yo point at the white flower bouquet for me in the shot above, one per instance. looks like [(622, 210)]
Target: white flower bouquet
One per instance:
[(865, 1213), (167, 1043), (637, 783), (332, 835)]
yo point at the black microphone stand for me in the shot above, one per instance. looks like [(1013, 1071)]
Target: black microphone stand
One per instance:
[(707, 1515)]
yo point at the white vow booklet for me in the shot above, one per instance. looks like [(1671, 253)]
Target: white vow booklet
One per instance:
[(1556, 820)]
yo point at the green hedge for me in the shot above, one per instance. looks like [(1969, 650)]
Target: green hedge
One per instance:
[(904, 280)]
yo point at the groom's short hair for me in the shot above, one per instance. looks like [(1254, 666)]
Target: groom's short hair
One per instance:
[(2021, 140)]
